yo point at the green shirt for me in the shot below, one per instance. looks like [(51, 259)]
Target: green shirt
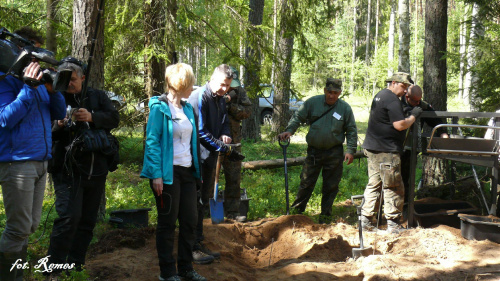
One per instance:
[(329, 131)]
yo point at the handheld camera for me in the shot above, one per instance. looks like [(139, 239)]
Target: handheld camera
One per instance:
[(16, 53)]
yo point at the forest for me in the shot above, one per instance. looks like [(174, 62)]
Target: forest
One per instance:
[(451, 48)]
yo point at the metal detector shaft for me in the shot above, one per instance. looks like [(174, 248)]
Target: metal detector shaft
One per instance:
[(284, 145)]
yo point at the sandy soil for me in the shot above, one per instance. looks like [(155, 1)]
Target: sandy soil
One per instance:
[(295, 248)]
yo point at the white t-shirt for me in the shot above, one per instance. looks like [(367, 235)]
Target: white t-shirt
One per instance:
[(183, 131)]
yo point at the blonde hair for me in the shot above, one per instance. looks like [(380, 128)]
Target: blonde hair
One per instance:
[(179, 77)]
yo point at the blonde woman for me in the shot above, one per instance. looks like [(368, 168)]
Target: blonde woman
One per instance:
[(171, 162)]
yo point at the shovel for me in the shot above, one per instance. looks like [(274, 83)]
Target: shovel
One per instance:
[(361, 251), (216, 203), (284, 145)]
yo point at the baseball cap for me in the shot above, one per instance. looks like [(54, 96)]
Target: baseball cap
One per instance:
[(401, 77), (236, 82), (333, 84)]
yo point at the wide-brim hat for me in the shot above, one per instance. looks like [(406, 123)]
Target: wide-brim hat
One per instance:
[(401, 77)]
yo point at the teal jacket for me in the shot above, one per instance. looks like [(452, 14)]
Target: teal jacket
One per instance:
[(158, 153)]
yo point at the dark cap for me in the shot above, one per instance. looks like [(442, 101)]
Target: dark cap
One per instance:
[(333, 84), (401, 77), (236, 82)]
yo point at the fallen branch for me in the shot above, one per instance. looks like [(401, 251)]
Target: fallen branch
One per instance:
[(279, 163)]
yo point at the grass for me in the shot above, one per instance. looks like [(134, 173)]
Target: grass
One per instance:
[(266, 188)]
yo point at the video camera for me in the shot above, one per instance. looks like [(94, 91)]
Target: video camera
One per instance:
[(17, 53)]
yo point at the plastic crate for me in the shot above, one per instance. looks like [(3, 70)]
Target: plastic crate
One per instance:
[(480, 227), (445, 212)]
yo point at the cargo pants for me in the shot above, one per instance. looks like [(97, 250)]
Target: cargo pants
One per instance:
[(385, 178)]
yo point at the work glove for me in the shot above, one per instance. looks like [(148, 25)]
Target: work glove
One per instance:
[(233, 155), (416, 111)]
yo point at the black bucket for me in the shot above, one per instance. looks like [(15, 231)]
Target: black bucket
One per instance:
[(132, 218), (480, 227), (244, 201), (446, 212)]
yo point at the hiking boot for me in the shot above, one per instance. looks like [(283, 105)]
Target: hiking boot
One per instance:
[(394, 227), (171, 278), (200, 257), (193, 276), (367, 225), (207, 251)]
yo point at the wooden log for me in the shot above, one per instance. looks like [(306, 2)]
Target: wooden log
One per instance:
[(279, 163)]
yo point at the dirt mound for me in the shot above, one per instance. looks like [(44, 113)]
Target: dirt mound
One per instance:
[(295, 248)]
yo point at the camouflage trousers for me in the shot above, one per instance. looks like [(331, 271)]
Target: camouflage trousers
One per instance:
[(331, 162), (384, 175), (232, 175)]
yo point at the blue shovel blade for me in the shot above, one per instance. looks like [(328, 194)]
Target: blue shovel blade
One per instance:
[(216, 210)]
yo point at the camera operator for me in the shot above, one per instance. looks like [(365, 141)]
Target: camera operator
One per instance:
[(79, 175), (25, 148)]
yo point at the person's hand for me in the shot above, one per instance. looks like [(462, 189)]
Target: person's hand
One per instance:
[(348, 158), (158, 186), (32, 75), (284, 136), (62, 123), (226, 139), (416, 111), (83, 115)]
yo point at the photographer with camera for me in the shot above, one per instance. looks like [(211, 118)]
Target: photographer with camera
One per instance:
[(80, 166), (26, 111)]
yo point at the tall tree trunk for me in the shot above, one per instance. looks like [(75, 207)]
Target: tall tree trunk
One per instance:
[(392, 35), (51, 43), (85, 14), (284, 52), (404, 36), (415, 53), (84, 23), (374, 88), (470, 81), (367, 50), (275, 30), (353, 56), (251, 126), (435, 89), (154, 35), (463, 58)]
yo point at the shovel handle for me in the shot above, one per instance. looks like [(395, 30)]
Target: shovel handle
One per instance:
[(284, 143), (217, 172)]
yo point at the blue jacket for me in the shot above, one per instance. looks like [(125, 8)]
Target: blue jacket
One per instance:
[(25, 120), (159, 153), (213, 121)]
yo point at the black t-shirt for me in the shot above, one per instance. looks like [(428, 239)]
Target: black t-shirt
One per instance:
[(381, 135)]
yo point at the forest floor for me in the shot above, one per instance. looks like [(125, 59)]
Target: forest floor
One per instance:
[(296, 248)]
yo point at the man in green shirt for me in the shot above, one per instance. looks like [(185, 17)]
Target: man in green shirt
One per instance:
[(331, 122)]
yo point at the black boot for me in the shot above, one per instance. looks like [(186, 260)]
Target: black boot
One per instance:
[(23, 256), (7, 260)]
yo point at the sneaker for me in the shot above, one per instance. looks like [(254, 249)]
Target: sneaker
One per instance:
[(240, 218), (367, 225), (193, 276), (207, 251), (171, 278), (199, 257), (394, 227)]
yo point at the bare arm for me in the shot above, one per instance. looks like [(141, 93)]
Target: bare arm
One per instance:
[(404, 124)]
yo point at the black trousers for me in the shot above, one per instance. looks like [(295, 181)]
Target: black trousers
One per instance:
[(77, 204), (331, 162), (177, 202), (206, 191)]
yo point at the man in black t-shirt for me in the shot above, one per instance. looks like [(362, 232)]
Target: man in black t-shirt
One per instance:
[(383, 146)]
